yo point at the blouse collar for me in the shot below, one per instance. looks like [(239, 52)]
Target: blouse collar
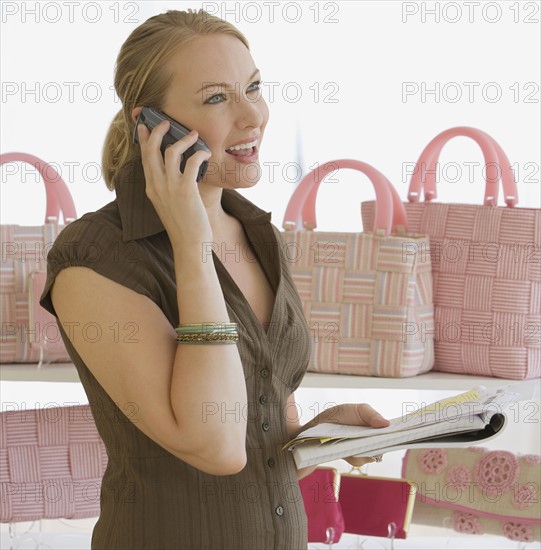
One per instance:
[(140, 219)]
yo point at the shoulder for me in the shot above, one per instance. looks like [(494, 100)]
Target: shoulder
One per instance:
[(102, 225), (95, 241)]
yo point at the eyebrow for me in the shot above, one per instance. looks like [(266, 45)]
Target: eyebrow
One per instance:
[(223, 84)]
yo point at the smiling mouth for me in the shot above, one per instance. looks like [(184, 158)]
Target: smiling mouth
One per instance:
[(242, 152)]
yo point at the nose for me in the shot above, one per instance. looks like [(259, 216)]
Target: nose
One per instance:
[(251, 111)]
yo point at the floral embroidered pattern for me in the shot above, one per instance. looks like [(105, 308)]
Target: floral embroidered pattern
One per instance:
[(433, 461), (517, 531), (467, 523), (497, 471), (532, 459), (459, 476), (524, 496)]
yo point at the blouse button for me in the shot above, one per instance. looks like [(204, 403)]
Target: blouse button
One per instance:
[(279, 511), (264, 373), (263, 399), (265, 426), (271, 462)]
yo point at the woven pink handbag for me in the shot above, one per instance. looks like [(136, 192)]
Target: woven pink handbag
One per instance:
[(52, 462), (486, 267), (363, 294), (29, 333)]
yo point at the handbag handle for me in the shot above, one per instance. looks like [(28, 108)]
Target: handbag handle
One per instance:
[(57, 193), (496, 161), (390, 211)]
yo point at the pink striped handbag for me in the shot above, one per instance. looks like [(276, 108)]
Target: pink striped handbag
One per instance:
[(363, 294), (52, 462), (486, 267), (30, 333)]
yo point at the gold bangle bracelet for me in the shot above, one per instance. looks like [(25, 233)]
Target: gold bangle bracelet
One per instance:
[(216, 336), (208, 338)]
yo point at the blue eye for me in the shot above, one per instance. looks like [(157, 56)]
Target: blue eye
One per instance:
[(254, 86), (210, 99)]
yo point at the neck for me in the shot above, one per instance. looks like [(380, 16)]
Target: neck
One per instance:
[(219, 219)]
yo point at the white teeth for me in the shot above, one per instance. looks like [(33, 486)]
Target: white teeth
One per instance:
[(242, 146)]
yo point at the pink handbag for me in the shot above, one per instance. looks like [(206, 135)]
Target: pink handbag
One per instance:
[(476, 491), (362, 293), (52, 462), (319, 492), (30, 333), (486, 268)]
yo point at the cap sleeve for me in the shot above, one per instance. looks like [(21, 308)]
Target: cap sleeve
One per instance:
[(96, 243)]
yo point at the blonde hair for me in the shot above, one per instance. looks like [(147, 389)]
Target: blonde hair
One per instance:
[(140, 78)]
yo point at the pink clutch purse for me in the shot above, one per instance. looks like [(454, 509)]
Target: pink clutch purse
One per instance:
[(376, 506), (319, 491)]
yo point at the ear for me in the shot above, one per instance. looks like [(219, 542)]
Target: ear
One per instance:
[(135, 113)]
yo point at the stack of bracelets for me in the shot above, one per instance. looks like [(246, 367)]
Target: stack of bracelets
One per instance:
[(207, 333)]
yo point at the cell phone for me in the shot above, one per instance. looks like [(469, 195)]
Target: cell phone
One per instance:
[(152, 117)]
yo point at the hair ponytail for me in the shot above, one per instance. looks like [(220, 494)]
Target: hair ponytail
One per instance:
[(118, 149)]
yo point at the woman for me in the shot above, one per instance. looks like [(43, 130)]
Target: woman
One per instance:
[(194, 433)]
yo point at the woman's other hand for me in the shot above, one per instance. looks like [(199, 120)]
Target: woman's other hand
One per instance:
[(355, 414)]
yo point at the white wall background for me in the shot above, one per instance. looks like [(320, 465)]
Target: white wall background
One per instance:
[(352, 63)]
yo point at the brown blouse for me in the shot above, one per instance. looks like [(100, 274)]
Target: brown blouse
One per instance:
[(150, 498)]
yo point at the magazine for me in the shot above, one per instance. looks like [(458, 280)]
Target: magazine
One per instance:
[(462, 420)]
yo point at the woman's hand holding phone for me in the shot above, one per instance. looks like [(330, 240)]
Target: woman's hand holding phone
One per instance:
[(175, 195)]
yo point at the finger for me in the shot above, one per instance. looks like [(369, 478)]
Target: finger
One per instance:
[(194, 163), (143, 134), (371, 417), (358, 461), (150, 150), (174, 153), (358, 414), (157, 133)]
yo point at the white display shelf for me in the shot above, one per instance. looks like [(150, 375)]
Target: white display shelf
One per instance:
[(66, 372), (29, 372), (427, 381)]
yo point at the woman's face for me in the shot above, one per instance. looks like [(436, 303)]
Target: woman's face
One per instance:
[(215, 91)]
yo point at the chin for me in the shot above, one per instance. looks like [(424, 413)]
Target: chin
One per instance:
[(234, 175)]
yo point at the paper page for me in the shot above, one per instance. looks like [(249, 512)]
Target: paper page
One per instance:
[(315, 453), (422, 432), (470, 404)]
